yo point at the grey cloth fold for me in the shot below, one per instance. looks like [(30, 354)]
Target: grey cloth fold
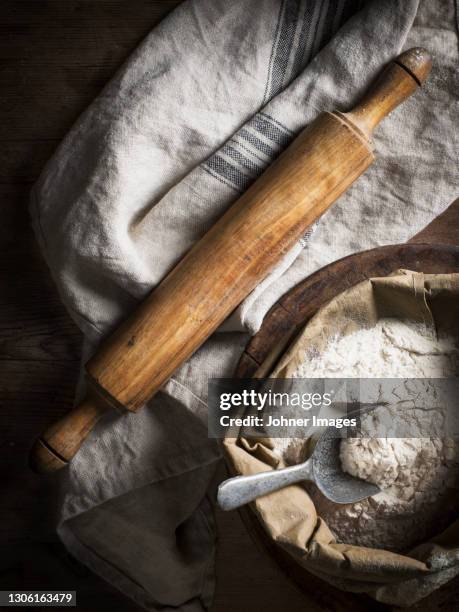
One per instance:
[(201, 108)]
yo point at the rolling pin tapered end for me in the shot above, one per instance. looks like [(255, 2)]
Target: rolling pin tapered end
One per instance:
[(398, 80), (42, 460), (58, 444), (417, 61)]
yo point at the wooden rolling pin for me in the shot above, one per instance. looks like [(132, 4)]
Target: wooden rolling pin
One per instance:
[(230, 260)]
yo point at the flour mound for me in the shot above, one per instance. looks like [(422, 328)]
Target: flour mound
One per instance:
[(414, 470), (416, 474)]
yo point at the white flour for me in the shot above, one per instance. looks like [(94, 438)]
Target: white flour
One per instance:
[(414, 470), (415, 473), (390, 349)]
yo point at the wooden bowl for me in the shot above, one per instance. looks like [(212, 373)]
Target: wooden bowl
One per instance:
[(285, 319)]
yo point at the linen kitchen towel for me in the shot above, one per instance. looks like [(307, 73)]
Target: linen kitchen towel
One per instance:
[(201, 108)]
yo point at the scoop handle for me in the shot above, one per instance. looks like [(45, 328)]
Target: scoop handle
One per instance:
[(240, 490), (396, 82)]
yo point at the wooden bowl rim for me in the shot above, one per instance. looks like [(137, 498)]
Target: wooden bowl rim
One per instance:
[(283, 316)]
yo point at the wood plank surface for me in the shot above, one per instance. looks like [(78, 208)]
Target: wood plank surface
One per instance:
[(55, 56)]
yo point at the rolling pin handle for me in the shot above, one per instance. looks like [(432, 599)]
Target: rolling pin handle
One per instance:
[(61, 441), (398, 80)]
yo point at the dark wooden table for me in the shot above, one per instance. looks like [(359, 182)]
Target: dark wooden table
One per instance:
[(55, 56)]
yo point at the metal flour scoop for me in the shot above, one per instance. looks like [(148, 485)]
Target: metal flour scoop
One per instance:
[(323, 468)]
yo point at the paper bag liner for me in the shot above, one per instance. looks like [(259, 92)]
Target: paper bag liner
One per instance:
[(289, 516)]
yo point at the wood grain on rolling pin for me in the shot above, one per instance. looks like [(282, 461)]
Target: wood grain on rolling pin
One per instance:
[(217, 274)]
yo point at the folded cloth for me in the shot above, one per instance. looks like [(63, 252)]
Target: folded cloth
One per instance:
[(204, 104)]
